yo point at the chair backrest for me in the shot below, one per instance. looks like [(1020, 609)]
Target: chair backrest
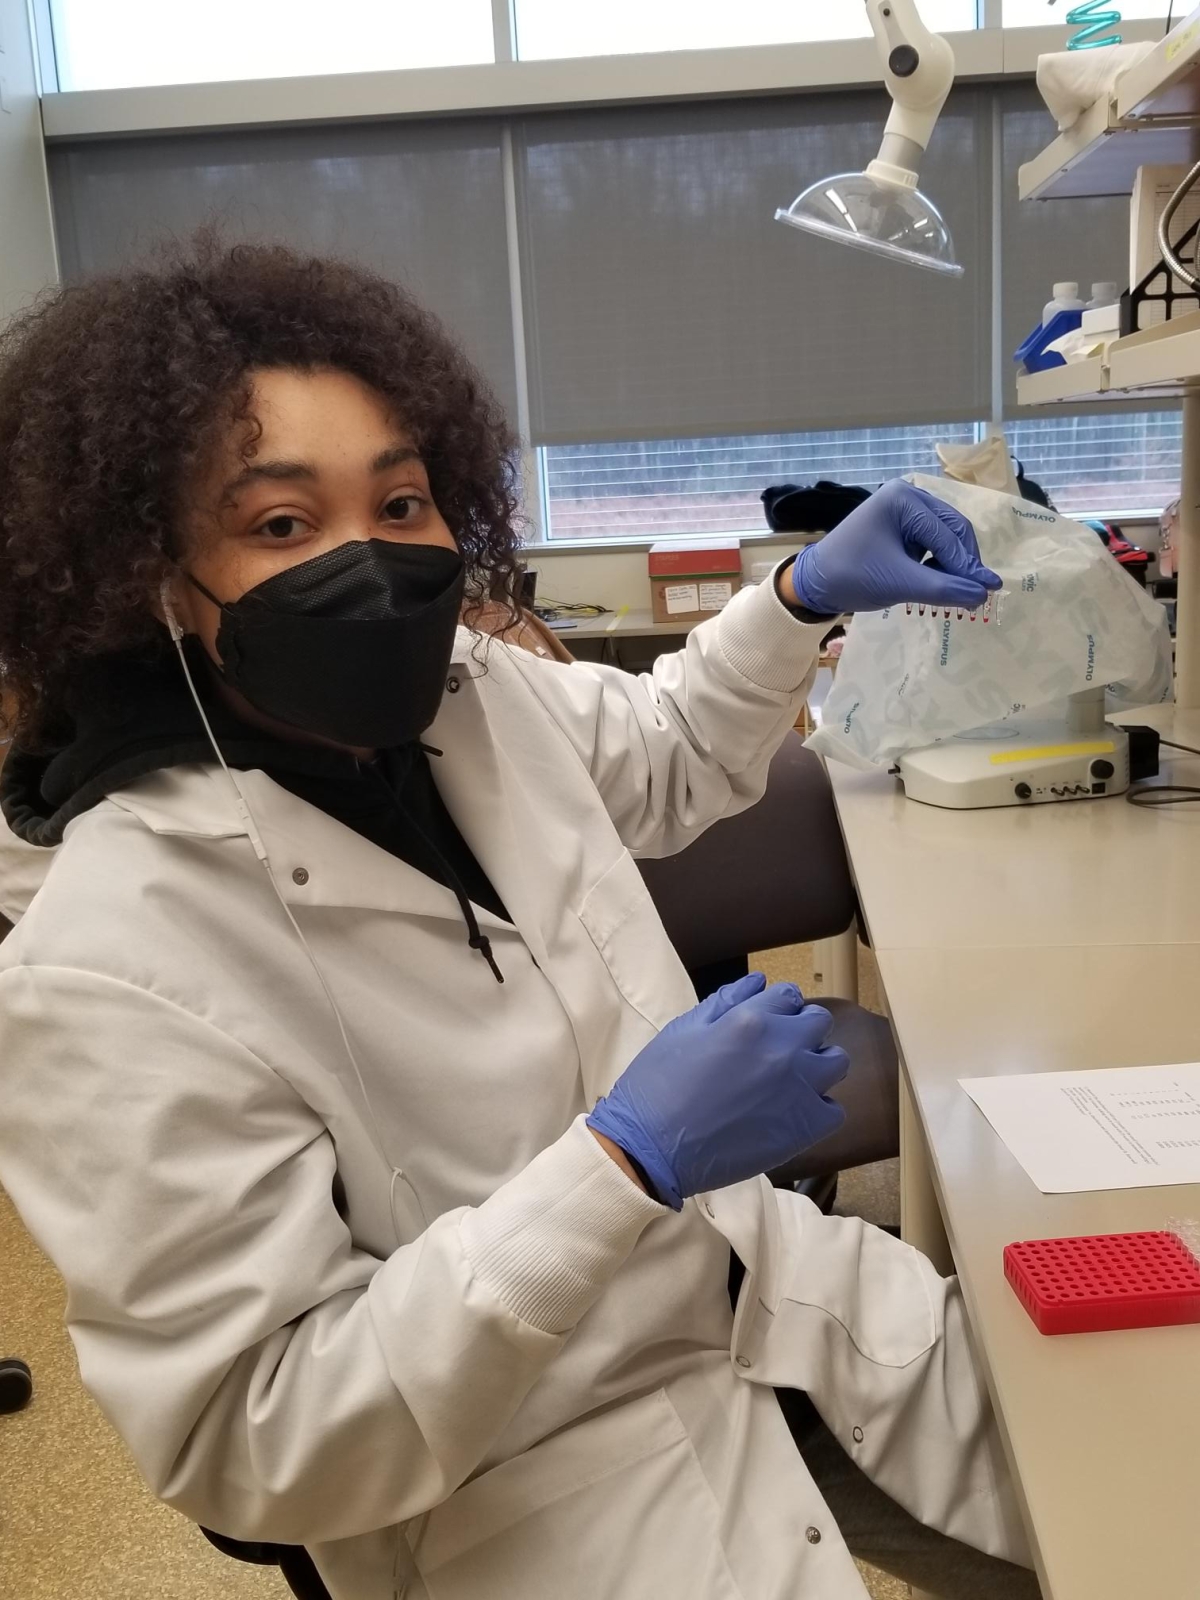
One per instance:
[(528, 632), (775, 874)]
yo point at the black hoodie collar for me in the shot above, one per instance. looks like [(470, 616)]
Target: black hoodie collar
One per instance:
[(130, 715), (133, 714)]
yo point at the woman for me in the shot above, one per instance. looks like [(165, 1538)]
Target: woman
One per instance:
[(333, 1073)]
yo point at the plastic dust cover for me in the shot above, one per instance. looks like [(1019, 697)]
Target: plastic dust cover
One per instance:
[(1069, 619)]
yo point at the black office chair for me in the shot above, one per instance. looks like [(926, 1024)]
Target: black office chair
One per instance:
[(293, 1560), (774, 875)]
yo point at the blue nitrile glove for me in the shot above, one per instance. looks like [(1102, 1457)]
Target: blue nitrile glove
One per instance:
[(875, 557), (726, 1091)]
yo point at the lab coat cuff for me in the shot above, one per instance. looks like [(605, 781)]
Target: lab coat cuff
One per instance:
[(763, 641), (548, 1242)]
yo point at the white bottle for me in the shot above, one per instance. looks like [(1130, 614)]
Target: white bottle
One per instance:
[(1066, 298), (1103, 294)]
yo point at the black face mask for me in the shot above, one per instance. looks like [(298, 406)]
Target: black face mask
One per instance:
[(353, 645)]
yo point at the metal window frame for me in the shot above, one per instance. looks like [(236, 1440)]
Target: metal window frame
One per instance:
[(45, 60), (504, 30), (532, 464)]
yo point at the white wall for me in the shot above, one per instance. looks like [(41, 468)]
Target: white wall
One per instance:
[(615, 578), (27, 258)]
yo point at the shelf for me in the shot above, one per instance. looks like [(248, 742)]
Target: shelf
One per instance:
[(1150, 120), (1167, 82), (1156, 368), (1079, 380), (1165, 365), (1097, 158)]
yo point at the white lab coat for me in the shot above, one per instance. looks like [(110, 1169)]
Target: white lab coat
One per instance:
[(23, 869), (384, 1295)]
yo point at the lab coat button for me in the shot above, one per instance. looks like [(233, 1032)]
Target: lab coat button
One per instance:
[(743, 1361), (858, 1436), (813, 1535), (708, 1210), (300, 876), (452, 685)]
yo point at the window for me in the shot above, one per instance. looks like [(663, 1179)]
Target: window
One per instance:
[(1105, 463), (694, 486), (116, 44), (621, 27), (1048, 13)]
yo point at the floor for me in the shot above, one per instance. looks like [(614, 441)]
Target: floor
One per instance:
[(76, 1523)]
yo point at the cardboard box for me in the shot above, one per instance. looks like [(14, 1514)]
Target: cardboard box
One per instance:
[(693, 579)]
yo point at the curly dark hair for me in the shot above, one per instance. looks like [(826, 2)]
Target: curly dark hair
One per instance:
[(113, 393)]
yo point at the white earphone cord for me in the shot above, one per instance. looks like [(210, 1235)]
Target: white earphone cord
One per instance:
[(260, 850)]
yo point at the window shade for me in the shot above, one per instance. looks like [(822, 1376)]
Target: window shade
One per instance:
[(420, 203), (663, 300)]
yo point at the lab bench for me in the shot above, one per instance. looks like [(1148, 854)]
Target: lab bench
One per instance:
[(1047, 940), (625, 624), (628, 638)]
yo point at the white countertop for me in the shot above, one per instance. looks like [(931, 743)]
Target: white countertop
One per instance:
[(1097, 872), (1050, 939)]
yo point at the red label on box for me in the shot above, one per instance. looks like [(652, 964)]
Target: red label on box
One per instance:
[(693, 561)]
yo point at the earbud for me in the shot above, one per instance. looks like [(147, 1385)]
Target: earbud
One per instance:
[(168, 610)]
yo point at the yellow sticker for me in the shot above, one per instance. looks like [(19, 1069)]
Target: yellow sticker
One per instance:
[(1180, 43), (1103, 747)]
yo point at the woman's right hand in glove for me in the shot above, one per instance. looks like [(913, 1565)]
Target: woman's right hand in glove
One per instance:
[(731, 1089)]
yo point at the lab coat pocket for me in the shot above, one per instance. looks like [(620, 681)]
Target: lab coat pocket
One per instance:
[(623, 924), (614, 1506), (871, 1289)]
